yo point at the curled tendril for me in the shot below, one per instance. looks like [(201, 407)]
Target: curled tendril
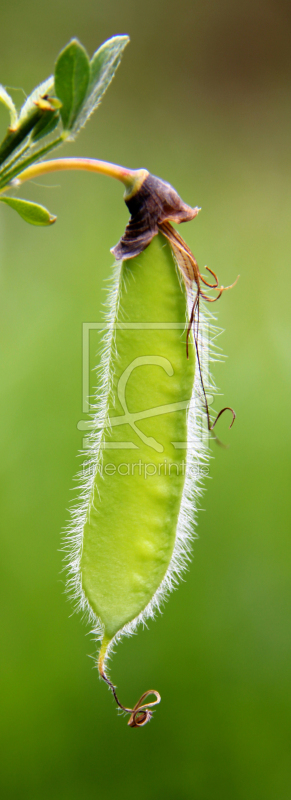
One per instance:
[(191, 275), (141, 713), (194, 323), (210, 285), (226, 408)]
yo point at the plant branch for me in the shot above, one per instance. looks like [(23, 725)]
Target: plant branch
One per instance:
[(131, 178), (9, 175)]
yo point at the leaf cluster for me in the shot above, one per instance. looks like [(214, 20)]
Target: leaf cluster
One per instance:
[(61, 105)]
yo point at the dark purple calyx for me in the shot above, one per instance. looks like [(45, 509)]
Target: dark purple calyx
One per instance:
[(154, 202)]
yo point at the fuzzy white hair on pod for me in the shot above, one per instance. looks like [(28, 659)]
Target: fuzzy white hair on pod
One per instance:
[(197, 458)]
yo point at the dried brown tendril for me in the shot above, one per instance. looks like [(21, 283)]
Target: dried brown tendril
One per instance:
[(141, 713), (191, 274)]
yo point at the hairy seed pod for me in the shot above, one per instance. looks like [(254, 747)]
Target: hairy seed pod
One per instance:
[(132, 530), (131, 522)]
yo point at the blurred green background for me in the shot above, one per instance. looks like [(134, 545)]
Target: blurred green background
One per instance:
[(202, 99)]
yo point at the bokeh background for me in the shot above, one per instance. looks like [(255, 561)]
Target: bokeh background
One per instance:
[(203, 99)]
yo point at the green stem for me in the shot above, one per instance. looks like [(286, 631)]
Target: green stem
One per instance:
[(13, 160), (131, 178)]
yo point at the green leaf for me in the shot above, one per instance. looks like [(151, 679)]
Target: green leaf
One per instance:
[(103, 66), (72, 74), (30, 212), (8, 102)]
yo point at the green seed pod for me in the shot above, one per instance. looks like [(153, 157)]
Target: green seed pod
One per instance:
[(131, 533), (133, 529), (131, 521)]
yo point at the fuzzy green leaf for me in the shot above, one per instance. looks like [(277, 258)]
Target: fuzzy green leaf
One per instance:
[(72, 74), (30, 212), (103, 66), (8, 102)]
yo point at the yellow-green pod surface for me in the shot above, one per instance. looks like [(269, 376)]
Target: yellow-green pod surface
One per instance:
[(140, 459)]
